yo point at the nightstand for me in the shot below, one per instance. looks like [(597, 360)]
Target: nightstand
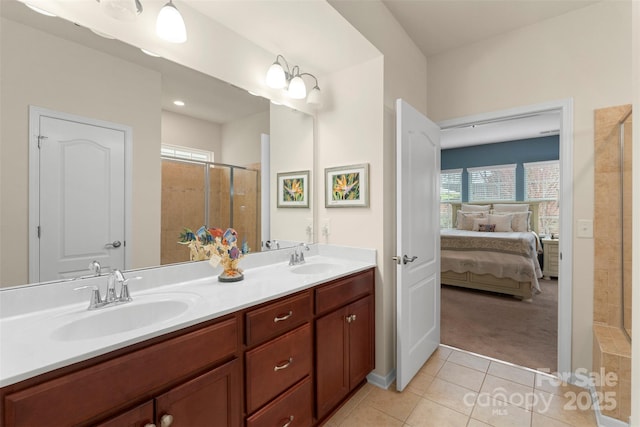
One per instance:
[(550, 258)]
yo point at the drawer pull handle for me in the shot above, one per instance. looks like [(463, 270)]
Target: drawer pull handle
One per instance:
[(166, 420), (288, 423), (283, 365), (351, 318), (282, 317)]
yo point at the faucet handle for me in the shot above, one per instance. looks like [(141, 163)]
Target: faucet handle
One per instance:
[(95, 295), (125, 296)]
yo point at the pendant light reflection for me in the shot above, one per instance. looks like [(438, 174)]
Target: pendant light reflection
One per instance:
[(170, 24), (122, 10)]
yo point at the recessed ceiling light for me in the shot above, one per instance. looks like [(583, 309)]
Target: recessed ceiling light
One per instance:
[(148, 52), (39, 10), (179, 103)]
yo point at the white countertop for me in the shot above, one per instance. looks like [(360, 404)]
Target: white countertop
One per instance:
[(29, 346)]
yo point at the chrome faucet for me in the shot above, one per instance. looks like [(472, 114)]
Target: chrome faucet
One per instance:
[(297, 256), (110, 298)]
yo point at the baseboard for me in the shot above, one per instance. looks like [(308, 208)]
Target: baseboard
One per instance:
[(380, 381), (601, 419)]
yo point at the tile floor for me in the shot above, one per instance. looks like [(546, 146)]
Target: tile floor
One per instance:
[(459, 389)]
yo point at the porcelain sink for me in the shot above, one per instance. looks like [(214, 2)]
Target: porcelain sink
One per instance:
[(138, 314), (315, 268)]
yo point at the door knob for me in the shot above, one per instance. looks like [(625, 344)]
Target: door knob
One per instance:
[(406, 259), (115, 244)]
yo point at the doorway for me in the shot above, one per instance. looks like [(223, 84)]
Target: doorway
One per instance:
[(79, 187), (565, 110)]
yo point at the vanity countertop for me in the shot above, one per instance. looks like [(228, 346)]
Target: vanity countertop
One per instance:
[(30, 346)]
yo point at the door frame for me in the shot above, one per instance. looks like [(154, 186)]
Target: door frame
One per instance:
[(35, 113), (565, 273)]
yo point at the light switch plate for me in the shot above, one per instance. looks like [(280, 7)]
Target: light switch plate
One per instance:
[(585, 228)]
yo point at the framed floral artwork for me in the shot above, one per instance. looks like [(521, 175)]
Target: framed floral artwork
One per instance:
[(293, 189), (347, 186)]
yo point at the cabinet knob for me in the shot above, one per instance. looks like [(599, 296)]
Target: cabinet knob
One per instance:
[(282, 317), (283, 365), (149, 425), (351, 318), (289, 421), (166, 420)]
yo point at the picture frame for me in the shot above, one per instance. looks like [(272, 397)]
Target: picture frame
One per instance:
[(293, 189), (347, 186)]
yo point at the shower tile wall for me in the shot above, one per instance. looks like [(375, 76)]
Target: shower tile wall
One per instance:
[(182, 206), (611, 350)]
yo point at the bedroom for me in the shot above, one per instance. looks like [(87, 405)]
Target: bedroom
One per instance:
[(526, 162)]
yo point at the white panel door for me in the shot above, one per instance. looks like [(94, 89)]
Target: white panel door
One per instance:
[(82, 198), (418, 245)]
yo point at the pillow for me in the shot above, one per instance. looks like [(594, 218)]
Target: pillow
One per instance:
[(502, 222), (519, 220), (475, 208), (477, 222), (487, 227), (510, 207), (465, 220)]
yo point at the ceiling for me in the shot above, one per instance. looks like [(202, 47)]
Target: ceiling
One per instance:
[(440, 25)]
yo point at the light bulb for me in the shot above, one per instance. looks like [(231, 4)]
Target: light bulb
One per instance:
[(315, 97), (170, 25), (297, 89), (276, 77)]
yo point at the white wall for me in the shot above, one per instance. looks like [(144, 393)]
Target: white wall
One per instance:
[(185, 131), (586, 55), (241, 139), (350, 131), (45, 71), (635, 344)]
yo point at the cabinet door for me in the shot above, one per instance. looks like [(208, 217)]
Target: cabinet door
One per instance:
[(211, 400), (361, 352), (332, 360), (139, 416)]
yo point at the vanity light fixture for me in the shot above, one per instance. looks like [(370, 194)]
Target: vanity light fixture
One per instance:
[(170, 24), (122, 10), (40, 10), (291, 80)]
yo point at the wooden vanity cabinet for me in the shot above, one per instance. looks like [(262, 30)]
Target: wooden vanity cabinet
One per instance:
[(279, 362), (178, 374), (344, 331)]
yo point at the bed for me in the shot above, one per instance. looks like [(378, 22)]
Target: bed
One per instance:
[(497, 261)]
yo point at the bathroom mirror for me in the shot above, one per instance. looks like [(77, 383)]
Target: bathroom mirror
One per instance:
[(143, 93)]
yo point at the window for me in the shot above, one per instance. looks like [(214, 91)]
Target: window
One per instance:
[(542, 184), (450, 192), (186, 153), (492, 183)]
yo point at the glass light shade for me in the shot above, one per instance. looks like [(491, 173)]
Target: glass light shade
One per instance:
[(297, 89), (170, 25), (315, 97), (123, 10), (276, 77)]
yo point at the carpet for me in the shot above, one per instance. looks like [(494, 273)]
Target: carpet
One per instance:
[(503, 327)]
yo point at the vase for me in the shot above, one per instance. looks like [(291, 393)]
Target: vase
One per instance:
[(231, 276)]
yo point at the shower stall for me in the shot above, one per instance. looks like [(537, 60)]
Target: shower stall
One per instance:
[(216, 195)]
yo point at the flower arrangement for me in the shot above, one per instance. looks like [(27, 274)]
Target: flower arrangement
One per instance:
[(219, 247)]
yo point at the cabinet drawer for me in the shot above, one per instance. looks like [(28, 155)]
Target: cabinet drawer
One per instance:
[(343, 291), (277, 318), (293, 406), (115, 383), (275, 366)]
